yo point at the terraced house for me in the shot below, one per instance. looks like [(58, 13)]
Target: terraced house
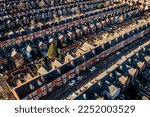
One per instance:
[(84, 32)]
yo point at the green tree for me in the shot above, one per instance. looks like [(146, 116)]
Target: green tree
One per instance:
[(107, 4), (100, 6), (53, 52), (61, 57)]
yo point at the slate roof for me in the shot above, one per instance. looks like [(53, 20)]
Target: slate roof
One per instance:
[(107, 45), (66, 68), (78, 61), (88, 55), (2, 61), (86, 46), (4, 38), (123, 69), (137, 56), (90, 93), (113, 42), (119, 39), (54, 74), (46, 26), (43, 70), (68, 57), (56, 63), (131, 33), (98, 50), (131, 70), (121, 78), (2, 51), (110, 88), (132, 62), (36, 29), (26, 31), (23, 90)]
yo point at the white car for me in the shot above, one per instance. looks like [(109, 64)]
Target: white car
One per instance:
[(92, 69), (118, 53), (72, 82), (79, 78)]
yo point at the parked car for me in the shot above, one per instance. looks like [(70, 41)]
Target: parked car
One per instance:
[(72, 82), (118, 53), (92, 69), (79, 78)]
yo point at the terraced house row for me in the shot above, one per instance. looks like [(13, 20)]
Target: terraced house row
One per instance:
[(29, 41), (111, 82), (68, 26), (40, 85), (26, 17), (28, 29)]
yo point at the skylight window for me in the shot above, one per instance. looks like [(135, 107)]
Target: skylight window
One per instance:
[(32, 87), (39, 83)]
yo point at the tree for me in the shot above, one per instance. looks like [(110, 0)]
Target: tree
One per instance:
[(61, 57), (107, 4), (53, 52), (100, 6)]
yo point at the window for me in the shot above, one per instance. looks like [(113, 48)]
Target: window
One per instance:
[(70, 76), (73, 75), (59, 83), (77, 70), (36, 98), (44, 93), (64, 81), (64, 76), (31, 87), (43, 88), (34, 93), (97, 59), (49, 85), (42, 78), (39, 95), (58, 79), (30, 96), (39, 83)]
